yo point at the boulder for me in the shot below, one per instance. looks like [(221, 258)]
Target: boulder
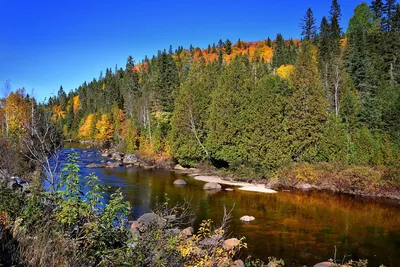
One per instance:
[(247, 218), (148, 167), (130, 159), (324, 264), (231, 243), (179, 167), (117, 156), (180, 182), (95, 165), (228, 189), (150, 220), (113, 164), (238, 263), (187, 231), (212, 186)]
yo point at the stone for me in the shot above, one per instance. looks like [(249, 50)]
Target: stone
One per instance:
[(170, 217), (324, 264), (180, 182), (174, 231), (179, 167), (148, 167), (117, 156), (187, 231), (149, 220), (238, 263), (113, 164), (130, 159), (306, 186), (95, 165), (208, 242), (231, 243), (212, 186), (247, 218), (229, 189)]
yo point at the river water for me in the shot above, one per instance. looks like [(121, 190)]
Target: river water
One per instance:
[(302, 228)]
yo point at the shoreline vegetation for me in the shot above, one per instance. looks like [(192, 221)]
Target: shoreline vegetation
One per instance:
[(364, 181)]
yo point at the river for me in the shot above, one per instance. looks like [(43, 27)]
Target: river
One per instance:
[(302, 228)]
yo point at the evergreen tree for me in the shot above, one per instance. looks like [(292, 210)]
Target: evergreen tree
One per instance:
[(280, 52), (335, 29), (228, 47), (389, 10), (308, 25), (307, 111)]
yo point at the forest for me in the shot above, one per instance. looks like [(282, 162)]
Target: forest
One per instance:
[(250, 108)]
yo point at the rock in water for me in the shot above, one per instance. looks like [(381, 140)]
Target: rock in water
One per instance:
[(179, 167), (180, 182), (247, 218), (130, 159), (212, 186), (95, 165)]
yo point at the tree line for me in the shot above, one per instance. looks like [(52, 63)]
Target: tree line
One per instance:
[(253, 107)]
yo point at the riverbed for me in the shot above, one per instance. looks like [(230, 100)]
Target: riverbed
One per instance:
[(302, 228)]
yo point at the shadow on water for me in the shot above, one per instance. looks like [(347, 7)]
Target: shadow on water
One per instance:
[(301, 228)]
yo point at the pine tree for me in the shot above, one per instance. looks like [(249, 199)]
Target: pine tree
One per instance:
[(280, 52), (308, 25), (389, 10), (228, 47)]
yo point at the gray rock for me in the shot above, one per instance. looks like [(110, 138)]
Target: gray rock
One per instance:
[(150, 220), (229, 189), (95, 165), (208, 242), (113, 164), (130, 159), (117, 156), (247, 218), (212, 186), (180, 182), (174, 231)]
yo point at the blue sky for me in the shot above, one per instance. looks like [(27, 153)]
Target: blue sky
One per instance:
[(45, 44)]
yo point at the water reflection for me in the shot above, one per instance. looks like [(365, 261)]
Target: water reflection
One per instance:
[(301, 228)]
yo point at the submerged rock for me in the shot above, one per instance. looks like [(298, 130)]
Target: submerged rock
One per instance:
[(95, 165), (212, 186), (247, 218), (180, 182)]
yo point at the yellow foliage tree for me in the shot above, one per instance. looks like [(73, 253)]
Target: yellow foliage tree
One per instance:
[(285, 71), (76, 104), (105, 129), (17, 113), (87, 128)]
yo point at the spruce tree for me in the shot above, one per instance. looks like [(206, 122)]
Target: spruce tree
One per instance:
[(308, 25)]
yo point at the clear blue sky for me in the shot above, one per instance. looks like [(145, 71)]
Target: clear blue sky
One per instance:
[(45, 44)]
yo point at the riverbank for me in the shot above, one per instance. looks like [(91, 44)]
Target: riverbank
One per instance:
[(366, 181)]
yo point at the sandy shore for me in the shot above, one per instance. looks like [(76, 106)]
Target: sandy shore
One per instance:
[(242, 185)]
